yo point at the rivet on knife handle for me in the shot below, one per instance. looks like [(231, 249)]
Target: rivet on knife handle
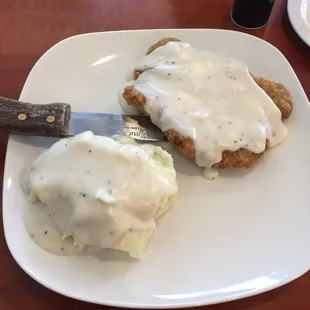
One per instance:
[(19, 117)]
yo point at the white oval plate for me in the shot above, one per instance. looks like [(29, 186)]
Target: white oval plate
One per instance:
[(299, 15), (243, 234)]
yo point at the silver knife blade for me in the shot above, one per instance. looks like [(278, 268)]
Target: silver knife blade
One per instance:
[(138, 127)]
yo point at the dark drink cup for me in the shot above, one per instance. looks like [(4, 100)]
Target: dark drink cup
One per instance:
[(251, 14)]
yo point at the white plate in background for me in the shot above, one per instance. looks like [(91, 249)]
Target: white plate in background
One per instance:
[(299, 15), (245, 233)]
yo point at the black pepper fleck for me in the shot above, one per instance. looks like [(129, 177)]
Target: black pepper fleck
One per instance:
[(179, 98), (240, 139), (109, 182), (62, 249), (49, 215), (230, 123), (235, 141), (32, 235), (31, 169), (169, 73), (45, 232), (173, 62), (89, 151), (220, 127), (130, 229), (111, 233)]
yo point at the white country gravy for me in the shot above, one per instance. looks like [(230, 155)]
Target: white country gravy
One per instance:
[(91, 190), (211, 99)]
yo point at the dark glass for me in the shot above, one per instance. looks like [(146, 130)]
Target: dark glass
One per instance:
[(251, 14)]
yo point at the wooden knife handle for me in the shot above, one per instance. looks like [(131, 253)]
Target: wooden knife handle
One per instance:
[(34, 119)]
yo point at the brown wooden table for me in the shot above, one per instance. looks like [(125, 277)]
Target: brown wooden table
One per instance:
[(29, 27)]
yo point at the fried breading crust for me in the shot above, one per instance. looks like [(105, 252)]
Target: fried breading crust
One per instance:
[(161, 42), (241, 158), (279, 94)]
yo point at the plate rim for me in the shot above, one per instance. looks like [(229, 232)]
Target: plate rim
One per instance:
[(293, 20), (107, 302)]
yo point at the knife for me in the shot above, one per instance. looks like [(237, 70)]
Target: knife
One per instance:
[(57, 120)]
